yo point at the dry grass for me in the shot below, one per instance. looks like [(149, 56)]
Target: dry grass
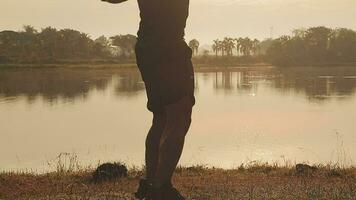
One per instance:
[(253, 181)]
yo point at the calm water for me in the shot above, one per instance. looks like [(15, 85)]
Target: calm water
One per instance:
[(241, 115)]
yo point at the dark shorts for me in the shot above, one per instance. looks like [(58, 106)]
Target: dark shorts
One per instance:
[(167, 71)]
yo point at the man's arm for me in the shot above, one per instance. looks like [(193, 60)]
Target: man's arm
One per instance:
[(114, 1)]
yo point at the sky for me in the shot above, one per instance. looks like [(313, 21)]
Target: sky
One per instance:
[(208, 20)]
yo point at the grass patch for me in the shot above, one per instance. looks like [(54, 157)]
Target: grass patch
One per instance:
[(249, 181)]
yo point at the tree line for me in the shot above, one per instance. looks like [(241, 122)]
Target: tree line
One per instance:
[(51, 46), (243, 46), (315, 45), (229, 46), (312, 46)]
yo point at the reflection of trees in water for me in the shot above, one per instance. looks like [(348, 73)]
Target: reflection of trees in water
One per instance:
[(223, 81), (318, 85), (315, 84), (246, 82), (64, 84), (241, 81), (52, 84), (129, 84)]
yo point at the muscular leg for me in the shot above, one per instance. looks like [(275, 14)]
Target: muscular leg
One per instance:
[(172, 141), (153, 143)]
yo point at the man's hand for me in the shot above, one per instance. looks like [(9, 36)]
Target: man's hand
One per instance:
[(114, 1)]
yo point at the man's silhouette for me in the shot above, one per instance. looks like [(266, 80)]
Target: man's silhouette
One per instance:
[(164, 60)]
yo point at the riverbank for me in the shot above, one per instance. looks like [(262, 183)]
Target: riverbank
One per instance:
[(61, 65), (257, 181), (196, 65)]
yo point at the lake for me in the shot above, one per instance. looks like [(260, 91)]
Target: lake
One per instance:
[(242, 115)]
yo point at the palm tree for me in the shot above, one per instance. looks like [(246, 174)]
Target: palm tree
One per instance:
[(228, 45), (256, 47), (194, 45), (217, 47), (221, 47), (238, 45), (30, 29), (246, 46)]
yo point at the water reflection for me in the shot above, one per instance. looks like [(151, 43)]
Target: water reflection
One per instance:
[(65, 84), (53, 85), (319, 85), (314, 85), (241, 114), (129, 83)]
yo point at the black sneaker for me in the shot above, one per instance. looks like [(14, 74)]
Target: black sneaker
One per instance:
[(146, 191), (142, 190), (168, 192)]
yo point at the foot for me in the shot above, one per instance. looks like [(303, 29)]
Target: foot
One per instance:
[(142, 190), (168, 192), (146, 191)]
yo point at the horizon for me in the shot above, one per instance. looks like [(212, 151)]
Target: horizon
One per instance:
[(203, 16)]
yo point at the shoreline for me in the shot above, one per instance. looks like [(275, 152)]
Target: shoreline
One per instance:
[(257, 181), (196, 65)]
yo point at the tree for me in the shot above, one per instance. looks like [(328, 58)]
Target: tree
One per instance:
[(194, 45), (30, 29), (217, 47), (342, 45), (317, 40), (9, 46), (228, 45), (265, 45), (246, 46), (48, 39), (126, 43), (102, 46), (256, 47), (29, 43), (49, 45), (301, 32), (278, 54), (238, 45)]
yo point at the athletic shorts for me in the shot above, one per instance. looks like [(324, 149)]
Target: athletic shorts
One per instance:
[(167, 72)]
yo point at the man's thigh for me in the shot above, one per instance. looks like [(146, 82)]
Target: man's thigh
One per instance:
[(168, 75)]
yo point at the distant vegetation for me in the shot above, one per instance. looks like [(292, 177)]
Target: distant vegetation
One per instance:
[(313, 46), (317, 45), (69, 46), (233, 51)]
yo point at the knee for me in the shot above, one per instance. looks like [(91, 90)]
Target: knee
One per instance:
[(181, 123), (156, 130), (181, 108), (159, 121), (179, 118), (185, 120)]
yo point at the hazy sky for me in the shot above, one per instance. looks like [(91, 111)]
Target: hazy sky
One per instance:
[(209, 19)]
